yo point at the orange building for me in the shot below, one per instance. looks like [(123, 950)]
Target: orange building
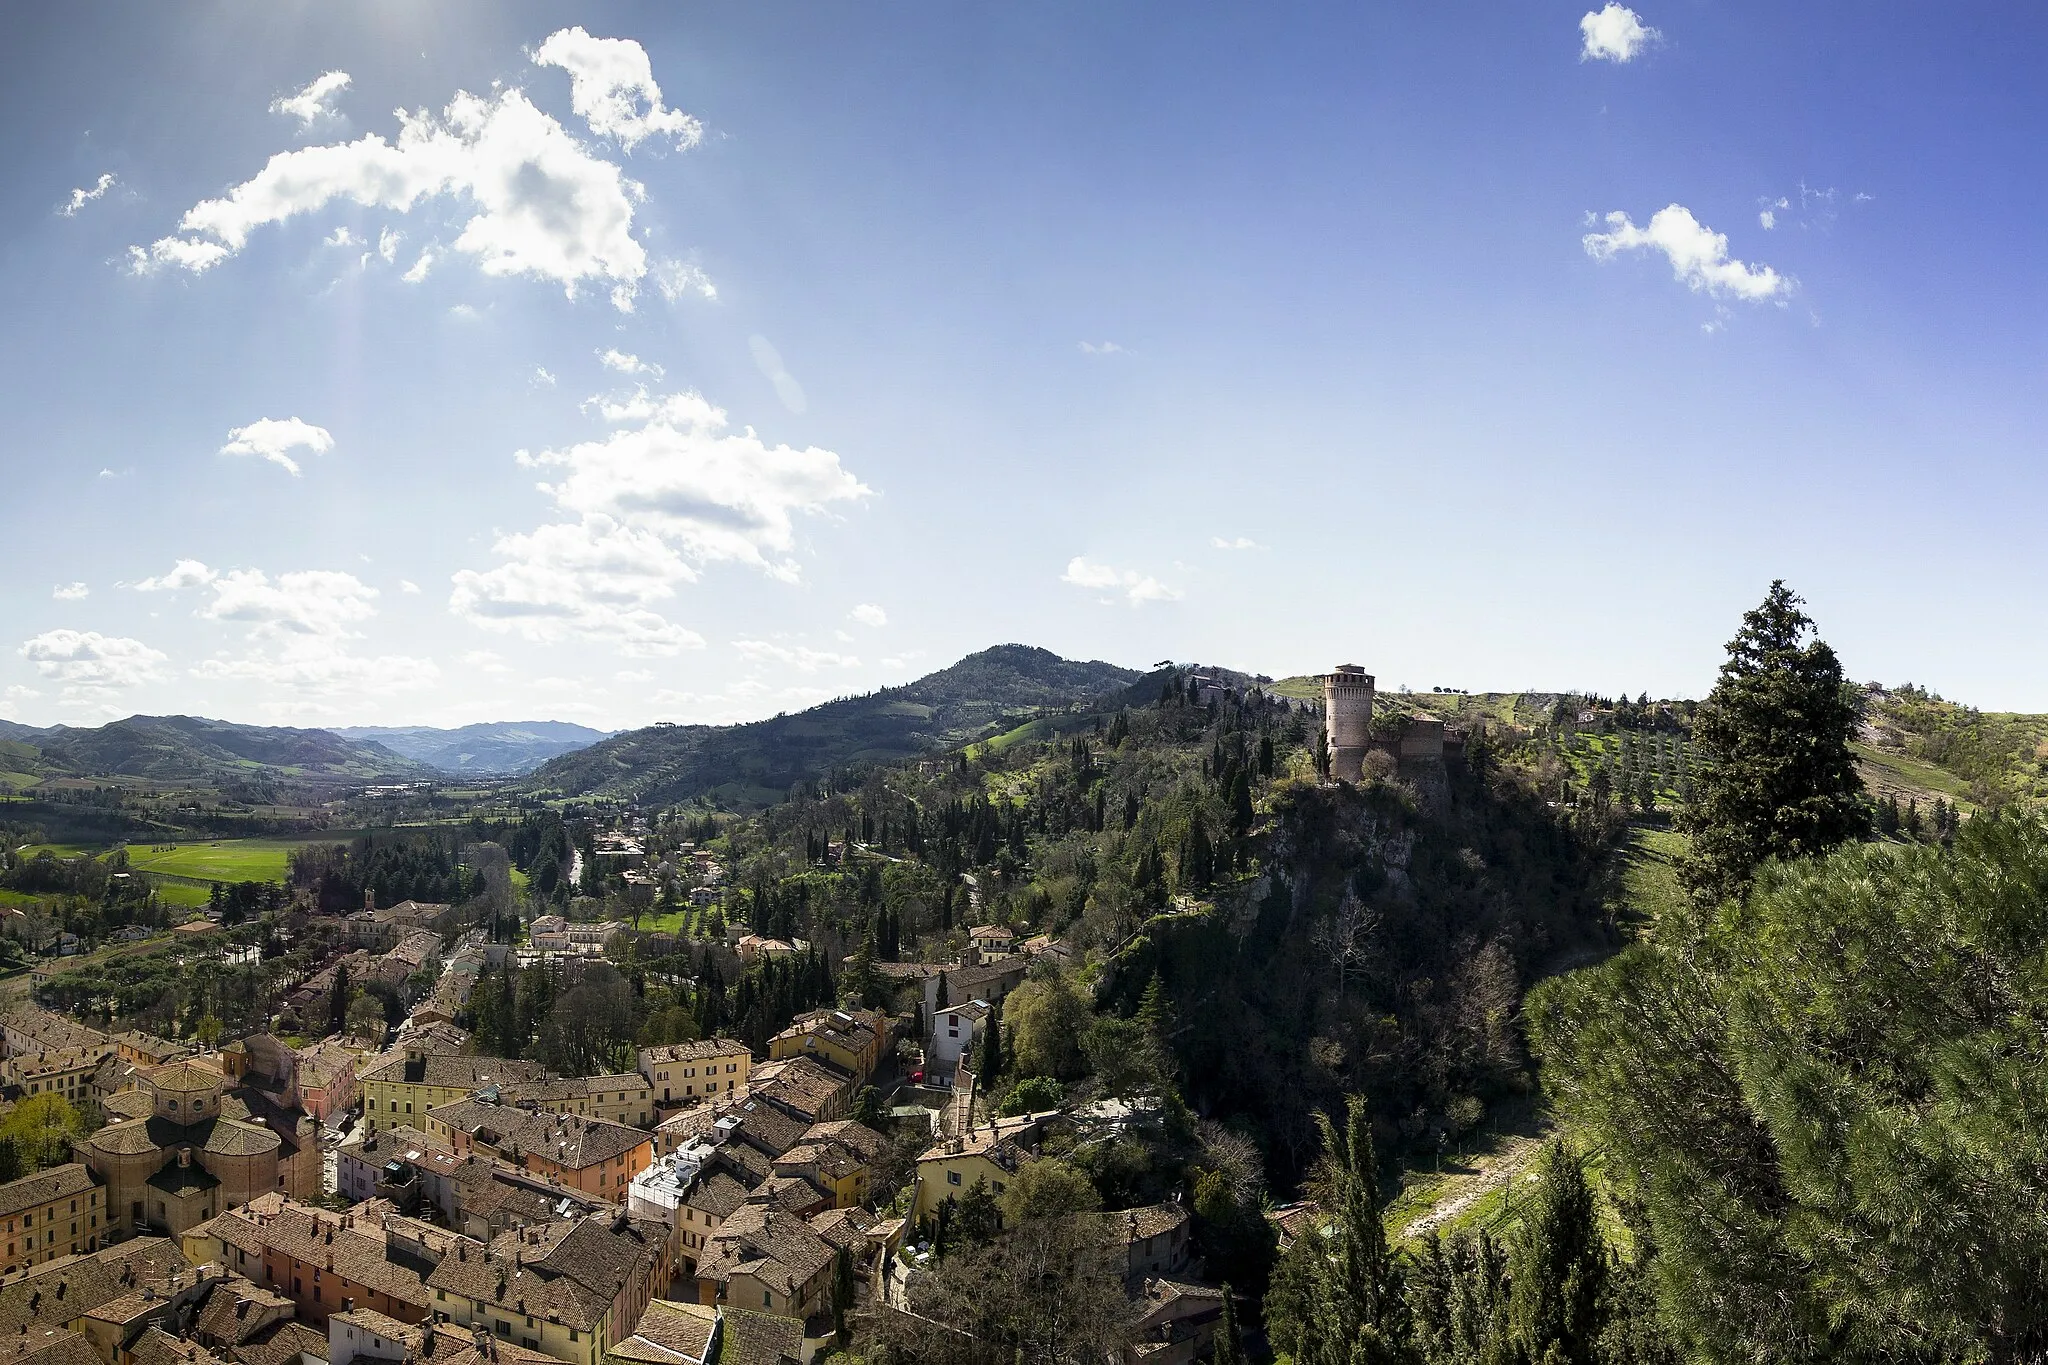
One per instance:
[(595, 1156)]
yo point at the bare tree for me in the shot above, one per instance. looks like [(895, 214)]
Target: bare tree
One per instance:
[(1049, 1293)]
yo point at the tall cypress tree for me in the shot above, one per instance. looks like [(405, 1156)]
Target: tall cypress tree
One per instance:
[(1779, 780), (1558, 1267), (1360, 1317)]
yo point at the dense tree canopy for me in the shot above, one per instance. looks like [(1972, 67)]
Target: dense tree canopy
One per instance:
[(1828, 1108)]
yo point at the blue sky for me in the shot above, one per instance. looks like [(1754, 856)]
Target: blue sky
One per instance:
[(1490, 346)]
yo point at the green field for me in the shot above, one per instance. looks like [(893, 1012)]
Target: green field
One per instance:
[(1649, 879), (223, 860)]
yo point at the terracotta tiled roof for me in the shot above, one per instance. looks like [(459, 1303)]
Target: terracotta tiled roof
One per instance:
[(752, 1338), (455, 1071), (842, 1228), (184, 1077), (236, 1310), (571, 1270), (357, 1253), (570, 1141), (716, 1193), (49, 1346), (33, 1191), (157, 1347), (801, 1085), (71, 1286), (670, 1334), (777, 1248), (703, 1050), (279, 1344)]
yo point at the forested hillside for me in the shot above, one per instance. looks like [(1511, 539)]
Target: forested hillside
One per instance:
[(753, 764)]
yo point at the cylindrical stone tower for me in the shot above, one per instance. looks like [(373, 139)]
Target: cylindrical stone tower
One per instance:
[(1347, 719)]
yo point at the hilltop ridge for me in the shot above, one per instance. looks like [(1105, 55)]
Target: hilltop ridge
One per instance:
[(757, 762)]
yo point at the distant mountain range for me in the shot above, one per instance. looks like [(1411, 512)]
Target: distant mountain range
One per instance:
[(194, 749), (756, 763), (504, 748)]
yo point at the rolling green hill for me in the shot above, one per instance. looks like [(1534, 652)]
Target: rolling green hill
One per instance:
[(756, 763), (192, 749)]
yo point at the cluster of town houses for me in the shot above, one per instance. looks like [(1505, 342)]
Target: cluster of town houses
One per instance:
[(703, 1207)]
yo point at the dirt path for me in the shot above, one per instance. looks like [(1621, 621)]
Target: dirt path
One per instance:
[(1460, 1192)]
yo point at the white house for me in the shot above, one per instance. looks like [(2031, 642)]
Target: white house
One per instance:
[(954, 1030)]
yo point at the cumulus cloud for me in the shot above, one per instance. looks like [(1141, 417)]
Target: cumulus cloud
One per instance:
[(270, 438), (768, 361), (677, 278), (802, 658), (299, 629), (1698, 255), (186, 573), (81, 197), (1136, 588), (667, 492), (545, 207), (87, 662), (543, 376), (315, 103), (341, 236), (70, 592), (1614, 34), (417, 271), (626, 363), (612, 89), (408, 587), (1236, 543), (1101, 348), (868, 614), (309, 602), (387, 245)]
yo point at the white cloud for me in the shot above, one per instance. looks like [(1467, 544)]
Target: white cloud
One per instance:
[(868, 614), (543, 375), (70, 592), (1136, 588), (1614, 34), (1698, 255), (611, 88), (1102, 348), (408, 587), (626, 363), (81, 197), (672, 489), (186, 254), (186, 573), (315, 103), (486, 661), (545, 207), (802, 658), (270, 438), (299, 627), (1767, 219), (419, 268), (308, 602), (1239, 543), (676, 278), (634, 675), (87, 661), (341, 236), (387, 245), (768, 361)]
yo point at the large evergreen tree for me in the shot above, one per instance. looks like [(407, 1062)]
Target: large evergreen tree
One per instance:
[(1778, 780), (1831, 1104)]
